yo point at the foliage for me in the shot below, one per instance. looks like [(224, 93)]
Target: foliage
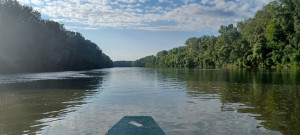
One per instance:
[(148, 61), (270, 38), (31, 44), (123, 63)]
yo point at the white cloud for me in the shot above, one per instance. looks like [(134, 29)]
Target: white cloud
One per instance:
[(37, 2), (163, 1), (24, 1), (189, 15), (187, 1)]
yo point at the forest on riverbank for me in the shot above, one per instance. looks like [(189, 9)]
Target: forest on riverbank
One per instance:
[(270, 39), (29, 43)]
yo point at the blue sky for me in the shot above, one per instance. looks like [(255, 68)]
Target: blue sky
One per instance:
[(131, 29)]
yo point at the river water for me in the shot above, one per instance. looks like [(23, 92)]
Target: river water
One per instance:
[(182, 101)]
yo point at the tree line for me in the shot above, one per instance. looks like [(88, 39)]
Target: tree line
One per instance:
[(269, 39), (123, 63), (29, 43)]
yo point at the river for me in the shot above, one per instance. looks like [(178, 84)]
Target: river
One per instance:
[(182, 101)]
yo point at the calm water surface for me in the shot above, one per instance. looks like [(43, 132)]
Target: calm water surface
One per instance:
[(183, 102)]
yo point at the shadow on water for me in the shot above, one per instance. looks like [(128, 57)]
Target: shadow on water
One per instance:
[(25, 108), (270, 96)]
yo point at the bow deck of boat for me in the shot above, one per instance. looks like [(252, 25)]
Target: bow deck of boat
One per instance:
[(136, 125)]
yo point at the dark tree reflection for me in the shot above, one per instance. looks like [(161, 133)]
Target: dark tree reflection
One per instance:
[(26, 107), (271, 96)]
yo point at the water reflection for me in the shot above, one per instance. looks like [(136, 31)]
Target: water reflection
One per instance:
[(271, 96), (192, 102), (27, 105)]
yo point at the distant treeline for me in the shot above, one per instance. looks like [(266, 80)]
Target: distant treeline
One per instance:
[(123, 63), (31, 44), (270, 39)]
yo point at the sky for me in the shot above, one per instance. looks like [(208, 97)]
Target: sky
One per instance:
[(132, 29)]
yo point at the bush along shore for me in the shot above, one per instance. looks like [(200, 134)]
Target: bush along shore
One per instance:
[(270, 39)]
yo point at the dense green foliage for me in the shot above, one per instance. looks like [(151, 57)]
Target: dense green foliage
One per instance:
[(148, 61), (271, 38), (123, 63), (31, 44)]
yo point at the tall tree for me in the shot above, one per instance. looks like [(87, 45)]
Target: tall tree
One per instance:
[(31, 44)]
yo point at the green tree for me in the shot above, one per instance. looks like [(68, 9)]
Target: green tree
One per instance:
[(31, 44), (270, 38)]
